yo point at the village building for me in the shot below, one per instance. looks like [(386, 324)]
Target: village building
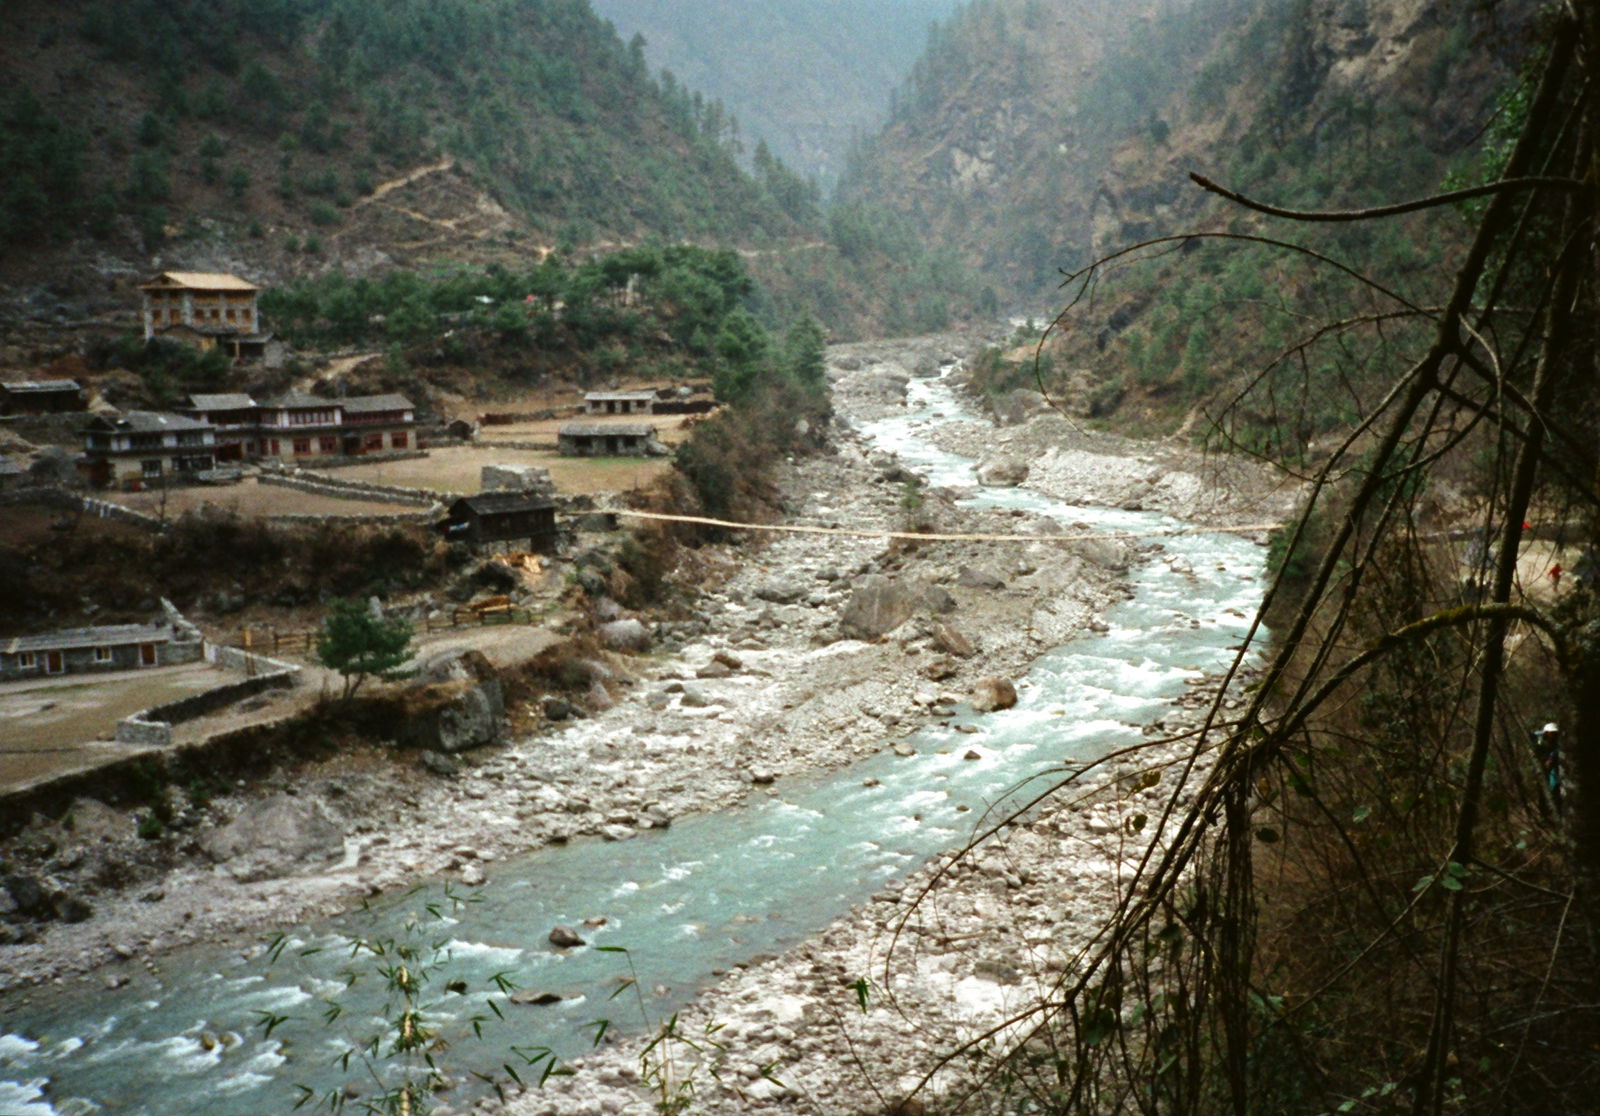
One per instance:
[(145, 447), (619, 402), (378, 424), (40, 397), (114, 647), (237, 419), (578, 439), (298, 424), (503, 517), (206, 310)]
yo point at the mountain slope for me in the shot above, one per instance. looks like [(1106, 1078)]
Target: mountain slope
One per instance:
[(805, 76), (225, 129), (1036, 132)]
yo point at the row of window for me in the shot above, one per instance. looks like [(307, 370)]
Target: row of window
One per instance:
[(174, 317), (53, 661)]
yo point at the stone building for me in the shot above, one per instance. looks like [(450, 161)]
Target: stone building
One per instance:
[(619, 402), (146, 447), (206, 310), (578, 439), (169, 642)]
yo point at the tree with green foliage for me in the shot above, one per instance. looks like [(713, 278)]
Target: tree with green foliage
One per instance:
[(743, 346), (359, 643), (805, 354)]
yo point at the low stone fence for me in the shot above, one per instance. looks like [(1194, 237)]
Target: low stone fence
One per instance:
[(393, 519), (510, 418), (502, 443), (54, 496), (153, 726), (371, 491), (343, 461)]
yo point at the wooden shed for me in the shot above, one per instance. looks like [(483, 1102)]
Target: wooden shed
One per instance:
[(503, 517)]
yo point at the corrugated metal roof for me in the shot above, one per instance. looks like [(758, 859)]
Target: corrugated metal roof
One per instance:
[(151, 422), (199, 281), (600, 429), (113, 635), (42, 385), (234, 402), (293, 399), (631, 395), (493, 503), (370, 404)]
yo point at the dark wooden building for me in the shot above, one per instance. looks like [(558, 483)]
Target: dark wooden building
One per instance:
[(503, 517), (40, 397)]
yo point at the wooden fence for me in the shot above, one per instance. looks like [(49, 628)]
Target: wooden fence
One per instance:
[(305, 643)]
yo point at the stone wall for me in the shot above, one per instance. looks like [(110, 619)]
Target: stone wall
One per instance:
[(341, 489), (53, 496), (153, 726)]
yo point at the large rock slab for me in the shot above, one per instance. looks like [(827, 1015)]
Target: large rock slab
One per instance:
[(460, 706), (625, 635), (1003, 471), (877, 606), (993, 693), (279, 836)]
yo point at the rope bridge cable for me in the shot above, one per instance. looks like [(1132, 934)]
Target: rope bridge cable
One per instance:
[(916, 536)]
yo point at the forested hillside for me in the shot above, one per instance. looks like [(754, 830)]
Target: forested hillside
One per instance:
[(277, 124), (805, 76)]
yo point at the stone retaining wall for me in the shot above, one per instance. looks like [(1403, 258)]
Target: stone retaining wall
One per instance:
[(54, 496), (153, 726), (370, 491), (395, 519), (497, 443), (343, 461)]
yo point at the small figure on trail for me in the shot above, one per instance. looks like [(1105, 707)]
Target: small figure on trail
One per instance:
[(1555, 576), (1547, 745)]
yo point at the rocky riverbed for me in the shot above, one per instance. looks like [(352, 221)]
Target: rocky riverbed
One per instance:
[(809, 653)]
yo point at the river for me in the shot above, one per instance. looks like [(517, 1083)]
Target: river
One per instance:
[(688, 902)]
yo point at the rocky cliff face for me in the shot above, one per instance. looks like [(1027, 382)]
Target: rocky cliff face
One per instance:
[(1038, 133)]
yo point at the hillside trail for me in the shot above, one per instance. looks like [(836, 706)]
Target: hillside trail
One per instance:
[(385, 188), (336, 370)]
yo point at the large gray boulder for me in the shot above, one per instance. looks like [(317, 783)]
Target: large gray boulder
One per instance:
[(1017, 407), (1003, 471), (878, 606), (625, 635), (993, 693), (279, 836), (467, 707)]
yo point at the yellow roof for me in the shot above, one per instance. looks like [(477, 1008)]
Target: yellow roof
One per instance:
[(199, 281)]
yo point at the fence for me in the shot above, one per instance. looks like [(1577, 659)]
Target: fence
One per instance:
[(305, 643)]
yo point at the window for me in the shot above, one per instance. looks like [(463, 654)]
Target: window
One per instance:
[(302, 446), (102, 655), (27, 660), (328, 445), (372, 441), (398, 440), (151, 468)]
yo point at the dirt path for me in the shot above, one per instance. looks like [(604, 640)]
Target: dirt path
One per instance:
[(384, 189)]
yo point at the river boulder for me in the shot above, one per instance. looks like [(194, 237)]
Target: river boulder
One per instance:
[(1003, 471), (1017, 407), (993, 693), (625, 635), (877, 606), (276, 837), (460, 704)]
